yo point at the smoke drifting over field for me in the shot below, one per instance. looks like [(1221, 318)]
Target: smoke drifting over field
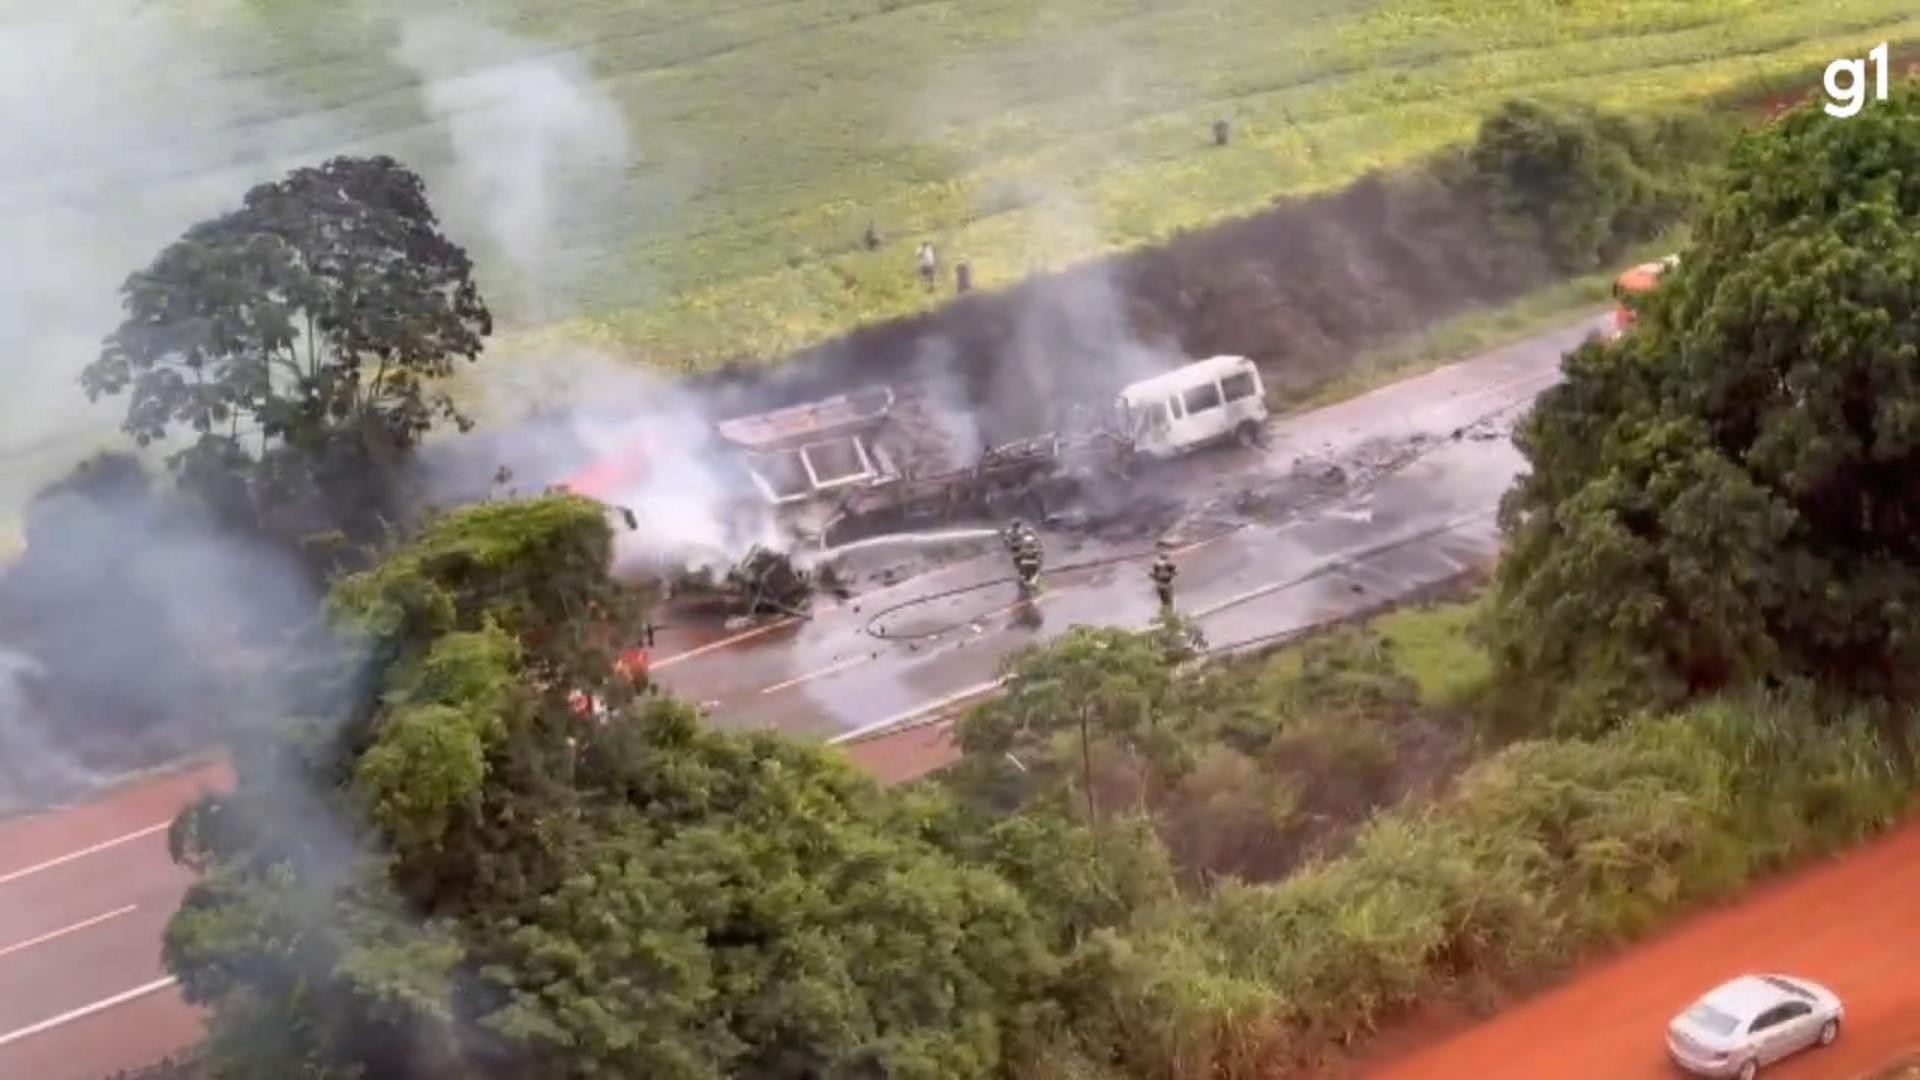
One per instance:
[(1075, 340), (127, 123), (532, 139), (121, 130)]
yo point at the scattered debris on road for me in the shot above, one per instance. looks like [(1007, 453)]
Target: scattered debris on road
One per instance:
[(764, 582)]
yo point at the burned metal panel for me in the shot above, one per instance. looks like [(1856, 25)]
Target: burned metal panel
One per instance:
[(798, 425)]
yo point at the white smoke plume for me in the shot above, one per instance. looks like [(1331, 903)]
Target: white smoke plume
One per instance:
[(120, 129), (631, 439), (534, 141), (122, 126), (1073, 342), (33, 767), (123, 629)]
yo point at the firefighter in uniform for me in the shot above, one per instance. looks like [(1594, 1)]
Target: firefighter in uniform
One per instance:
[(1012, 534), (1162, 574), (1026, 561)]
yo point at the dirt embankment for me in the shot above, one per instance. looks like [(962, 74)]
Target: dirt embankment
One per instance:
[(1844, 922), (1300, 289)]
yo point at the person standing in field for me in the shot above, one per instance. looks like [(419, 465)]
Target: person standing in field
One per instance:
[(929, 264)]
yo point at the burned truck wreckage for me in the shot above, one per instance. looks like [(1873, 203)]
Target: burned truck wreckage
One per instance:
[(877, 460), (812, 477)]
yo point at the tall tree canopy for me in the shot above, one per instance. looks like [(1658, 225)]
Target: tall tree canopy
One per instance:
[(458, 873), (1732, 490), (303, 329)]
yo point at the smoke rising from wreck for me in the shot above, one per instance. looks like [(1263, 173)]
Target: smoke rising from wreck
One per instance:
[(538, 147), (534, 141), (631, 440), (1073, 341)]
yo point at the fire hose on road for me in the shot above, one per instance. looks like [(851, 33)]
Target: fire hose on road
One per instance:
[(1090, 564), (935, 714)]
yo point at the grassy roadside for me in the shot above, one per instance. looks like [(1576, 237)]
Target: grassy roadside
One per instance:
[(1385, 86), (1477, 332), (1021, 138), (1497, 870)]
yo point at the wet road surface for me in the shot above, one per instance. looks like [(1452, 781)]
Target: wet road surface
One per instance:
[(84, 895), (830, 676), (85, 891)]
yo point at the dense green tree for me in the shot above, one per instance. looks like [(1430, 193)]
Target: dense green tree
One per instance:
[(1583, 184), (458, 871), (1731, 491), (300, 334), (1093, 686)]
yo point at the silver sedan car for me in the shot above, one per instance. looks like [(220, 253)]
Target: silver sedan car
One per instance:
[(1752, 1021)]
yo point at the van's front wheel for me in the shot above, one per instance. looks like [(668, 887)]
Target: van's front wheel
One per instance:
[(1250, 434)]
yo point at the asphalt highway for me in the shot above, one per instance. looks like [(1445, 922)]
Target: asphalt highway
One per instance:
[(830, 676), (86, 891), (84, 896)]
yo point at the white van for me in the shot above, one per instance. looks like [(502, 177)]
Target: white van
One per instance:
[(1200, 403)]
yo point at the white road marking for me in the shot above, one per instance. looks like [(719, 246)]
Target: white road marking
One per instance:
[(822, 673), (736, 639), (84, 852), (19, 946), (85, 1011), (1351, 560), (917, 711)]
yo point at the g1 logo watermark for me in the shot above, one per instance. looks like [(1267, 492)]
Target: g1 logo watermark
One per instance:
[(1849, 98)]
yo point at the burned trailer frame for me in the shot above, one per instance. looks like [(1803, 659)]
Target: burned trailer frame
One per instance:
[(1022, 478), (800, 457), (795, 454), (871, 462)]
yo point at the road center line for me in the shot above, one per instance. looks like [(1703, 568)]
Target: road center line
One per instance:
[(65, 930), (822, 673), (1339, 563), (84, 852), (85, 1011), (1209, 541), (744, 635), (918, 711)]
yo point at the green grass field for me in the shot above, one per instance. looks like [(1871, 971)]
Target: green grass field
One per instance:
[(1014, 134)]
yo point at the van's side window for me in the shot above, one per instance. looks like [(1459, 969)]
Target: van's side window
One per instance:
[(1173, 406), (1238, 386), (1201, 398)]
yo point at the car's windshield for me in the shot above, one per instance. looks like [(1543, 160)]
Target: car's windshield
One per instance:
[(1708, 1018)]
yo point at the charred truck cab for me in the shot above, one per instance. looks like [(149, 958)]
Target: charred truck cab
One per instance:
[(1198, 404)]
